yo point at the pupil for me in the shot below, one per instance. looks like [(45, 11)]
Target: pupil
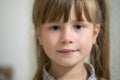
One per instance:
[(55, 27), (78, 26)]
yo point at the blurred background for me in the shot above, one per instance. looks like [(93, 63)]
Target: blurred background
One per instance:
[(17, 44)]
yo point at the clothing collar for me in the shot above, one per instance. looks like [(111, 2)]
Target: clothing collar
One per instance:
[(89, 67)]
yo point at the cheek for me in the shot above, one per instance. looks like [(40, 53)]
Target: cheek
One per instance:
[(49, 41), (47, 45), (86, 43), (85, 47)]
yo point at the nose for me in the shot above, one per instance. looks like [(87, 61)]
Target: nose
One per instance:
[(67, 37)]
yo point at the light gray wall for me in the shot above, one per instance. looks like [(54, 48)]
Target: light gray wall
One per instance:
[(16, 38), (115, 39), (17, 48)]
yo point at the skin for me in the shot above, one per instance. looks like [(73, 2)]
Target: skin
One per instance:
[(67, 45)]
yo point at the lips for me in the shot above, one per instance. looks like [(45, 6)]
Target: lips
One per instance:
[(67, 51)]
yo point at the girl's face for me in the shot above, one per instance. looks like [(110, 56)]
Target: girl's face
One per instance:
[(68, 43)]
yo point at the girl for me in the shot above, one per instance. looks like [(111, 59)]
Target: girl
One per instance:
[(67, 31)]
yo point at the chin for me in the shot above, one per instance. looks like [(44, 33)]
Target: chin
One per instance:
[(69, 63)]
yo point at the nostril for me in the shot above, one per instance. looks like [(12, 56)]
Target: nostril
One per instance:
[(67, 42), (70, 42)]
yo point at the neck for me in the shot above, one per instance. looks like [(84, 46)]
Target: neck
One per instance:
[(76, 72)]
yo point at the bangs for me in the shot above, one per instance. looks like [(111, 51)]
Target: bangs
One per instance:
[(55, 10)]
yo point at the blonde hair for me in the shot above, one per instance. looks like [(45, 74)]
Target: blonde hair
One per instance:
[(96, 11)]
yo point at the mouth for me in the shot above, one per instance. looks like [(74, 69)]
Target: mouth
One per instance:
[(67, 51)]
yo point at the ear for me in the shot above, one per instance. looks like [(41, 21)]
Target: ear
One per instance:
[(96, 32), (37, 34)]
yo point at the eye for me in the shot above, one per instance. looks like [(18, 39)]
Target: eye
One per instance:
[(55, 28), (78, 26)]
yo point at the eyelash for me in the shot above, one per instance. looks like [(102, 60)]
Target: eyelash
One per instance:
[(54, 28), (79, 26), (76, 26)]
